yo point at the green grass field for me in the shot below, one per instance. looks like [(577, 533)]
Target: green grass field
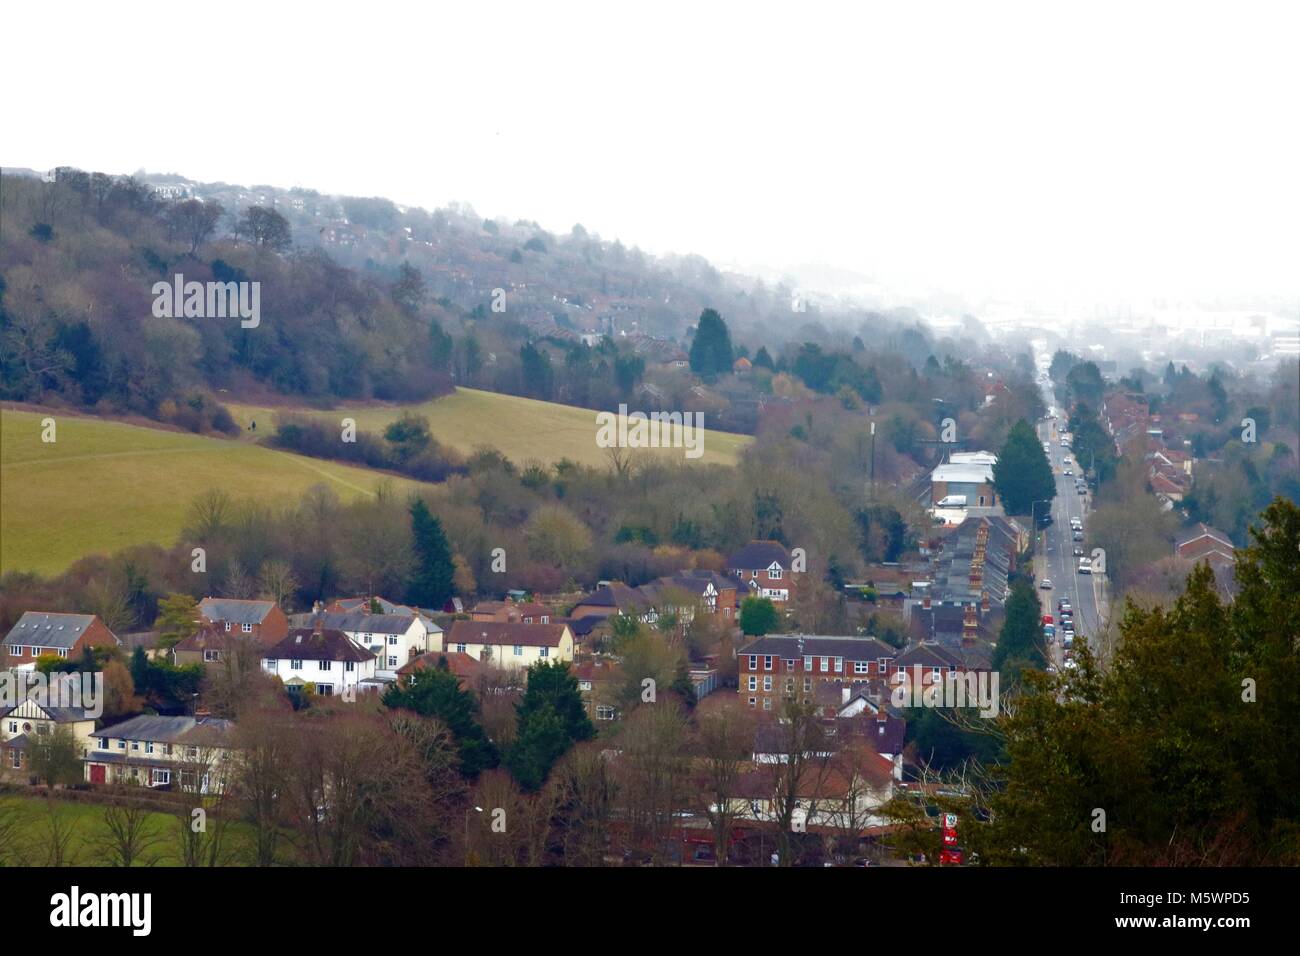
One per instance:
[(519, 428), (86, 821), (104, 485)]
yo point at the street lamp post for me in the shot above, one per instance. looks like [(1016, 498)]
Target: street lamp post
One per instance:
[(467, 809)]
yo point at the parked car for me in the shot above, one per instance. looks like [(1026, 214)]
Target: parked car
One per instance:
[(1078, 552), (1046, 584)]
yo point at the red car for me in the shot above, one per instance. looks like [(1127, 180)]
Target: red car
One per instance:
[(1047, 619)]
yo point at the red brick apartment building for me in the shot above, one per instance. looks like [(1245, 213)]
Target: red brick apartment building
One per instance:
[(782, 667)]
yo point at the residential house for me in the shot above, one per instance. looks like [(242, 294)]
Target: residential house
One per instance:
[(765, 569), (48, 632), (394, 639), (599, 681), (262, 619), (192, 753), (511, 644), (323, 657), (1203, 543), (30, 720)]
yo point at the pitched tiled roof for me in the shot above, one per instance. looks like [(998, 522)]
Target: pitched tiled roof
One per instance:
[(48, 629), (758, 555), (368, 623), (513, 632), (235, 610), (164, 729), (791, 646), (306, 644)]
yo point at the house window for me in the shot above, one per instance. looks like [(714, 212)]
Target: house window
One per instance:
[(349, 666), (882, 665), (753, 701), (839, 665), (211, 657), (519, 650), (807, 685), (604, 712), (148, 747), (789, 685), (936, 672), (16, 759), (135, 745), (753, 682), (789, 664), (246, 628), (460, 648), (826, 664), (103, 743), (161, 777), (13, 726), (121, 745), (325, 690), (63, 652), (271, 663), (860, 667), (192, 753), (18, 650), (295, 665), (767, 703), (753, 662), (767, 662), (767, 685), (774, 574), (227, 625), (325, 665), (392, 661), (807, 663), (392, 641)]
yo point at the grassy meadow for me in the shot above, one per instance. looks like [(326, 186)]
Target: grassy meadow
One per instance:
[(519, 428), (104, 485)]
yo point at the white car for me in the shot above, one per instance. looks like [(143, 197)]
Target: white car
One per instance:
[(1068, 471), (1046, 584)]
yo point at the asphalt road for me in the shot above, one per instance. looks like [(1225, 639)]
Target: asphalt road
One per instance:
[(1057, 561)]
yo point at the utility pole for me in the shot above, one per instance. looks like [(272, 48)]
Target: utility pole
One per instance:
[(872, 495)]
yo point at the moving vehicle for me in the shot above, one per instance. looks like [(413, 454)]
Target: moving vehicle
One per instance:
[(1068, 472), (1047, 619), (1082, 490), (1078, 552), (1046, 584), (1064, 605), (1085, 566)]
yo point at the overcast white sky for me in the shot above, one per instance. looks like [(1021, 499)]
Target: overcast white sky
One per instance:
[(1092, 151)]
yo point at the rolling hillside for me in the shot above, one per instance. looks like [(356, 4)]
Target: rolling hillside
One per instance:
[(520, 428), (105, 485)]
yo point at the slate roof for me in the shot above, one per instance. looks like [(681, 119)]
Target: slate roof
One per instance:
[(164, 729), (368, 623), (307, 644), (48, 629), (234, 610), (758, 555), (503, 633), (850, 648)]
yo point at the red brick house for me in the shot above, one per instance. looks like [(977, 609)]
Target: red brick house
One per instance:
[(263, 620), (49, 632), (764, 568)]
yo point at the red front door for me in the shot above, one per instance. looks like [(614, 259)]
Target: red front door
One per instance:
[(97, 773)]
